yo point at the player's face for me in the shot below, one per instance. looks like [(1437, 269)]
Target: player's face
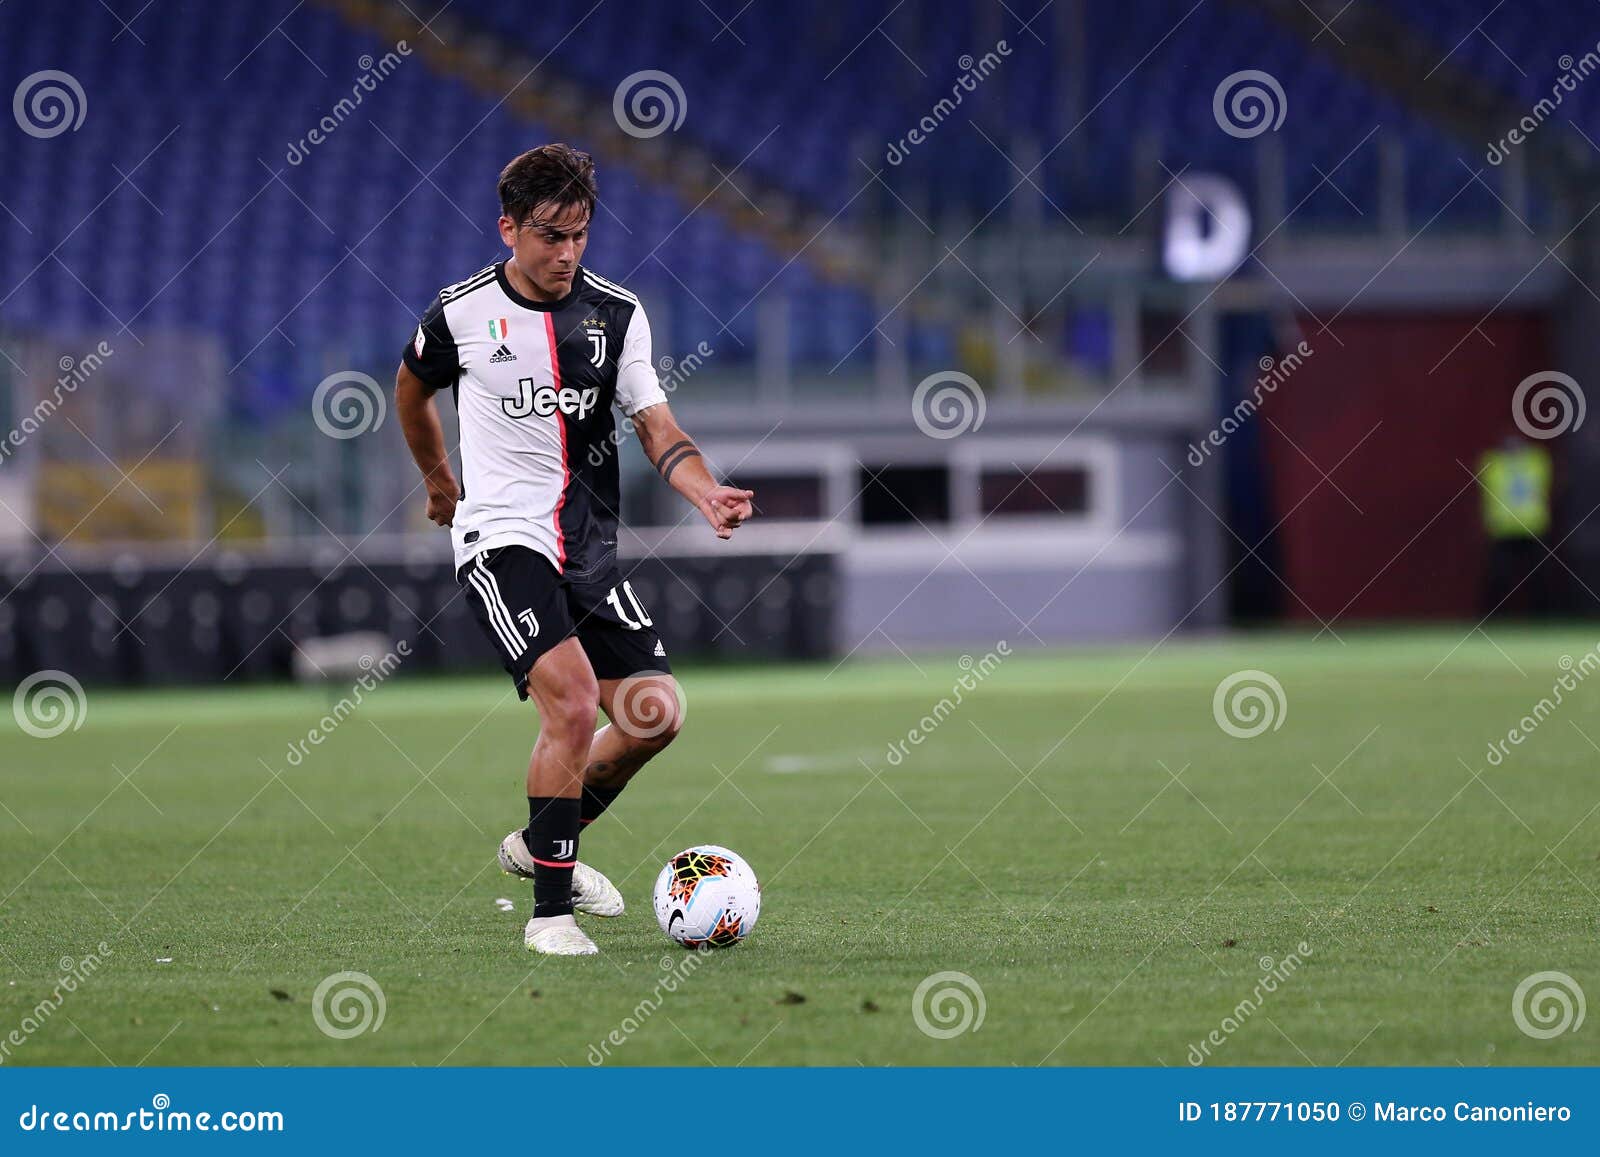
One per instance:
[(548, 246)]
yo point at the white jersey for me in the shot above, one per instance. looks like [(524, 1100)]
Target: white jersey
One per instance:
[(534, 383)]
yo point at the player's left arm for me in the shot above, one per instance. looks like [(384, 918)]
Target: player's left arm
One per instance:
[(670, 450), (675, 455)]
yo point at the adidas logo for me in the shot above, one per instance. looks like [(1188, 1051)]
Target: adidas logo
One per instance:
[(661, 652), (503, 354)]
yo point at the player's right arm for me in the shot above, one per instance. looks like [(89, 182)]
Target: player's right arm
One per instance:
[(419, 418), (430, 362)]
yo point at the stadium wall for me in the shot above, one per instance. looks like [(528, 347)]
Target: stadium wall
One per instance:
[(1394, 531)]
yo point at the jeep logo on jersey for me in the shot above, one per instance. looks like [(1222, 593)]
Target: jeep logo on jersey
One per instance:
[(546, 400)]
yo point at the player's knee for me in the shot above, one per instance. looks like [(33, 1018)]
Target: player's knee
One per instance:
[(674, 724), (669, 726), (651, 713)]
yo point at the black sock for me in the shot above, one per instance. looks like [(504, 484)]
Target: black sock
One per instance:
[(595, 802), (552, 840)]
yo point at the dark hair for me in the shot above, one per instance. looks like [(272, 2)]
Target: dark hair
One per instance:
[(558, 174)]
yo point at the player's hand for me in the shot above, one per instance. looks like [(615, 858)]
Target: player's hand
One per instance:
[(726, 508), (442, 503)]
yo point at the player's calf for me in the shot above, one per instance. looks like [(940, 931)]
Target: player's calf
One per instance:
[(646, 716), (562, 685)]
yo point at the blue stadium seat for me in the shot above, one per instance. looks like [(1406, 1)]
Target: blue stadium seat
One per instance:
[(237, 240)]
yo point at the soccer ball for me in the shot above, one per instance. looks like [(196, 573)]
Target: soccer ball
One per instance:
[(707, 895)]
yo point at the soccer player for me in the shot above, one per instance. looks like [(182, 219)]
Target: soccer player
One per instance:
[(535, 349)]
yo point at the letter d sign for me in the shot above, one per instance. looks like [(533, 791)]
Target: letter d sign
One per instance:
[(1207, 231)]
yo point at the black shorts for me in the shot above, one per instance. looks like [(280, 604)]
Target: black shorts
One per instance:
[(525, 608)]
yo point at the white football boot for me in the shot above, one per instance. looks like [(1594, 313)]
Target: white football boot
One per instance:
[(557, 936), (592, 893)]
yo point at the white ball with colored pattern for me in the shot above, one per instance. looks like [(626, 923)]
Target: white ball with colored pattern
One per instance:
[(707, 896)]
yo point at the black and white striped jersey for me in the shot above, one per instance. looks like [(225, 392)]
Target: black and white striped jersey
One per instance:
[(534, 383)]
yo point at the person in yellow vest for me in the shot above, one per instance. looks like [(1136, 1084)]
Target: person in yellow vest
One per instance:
[(1515, 478)]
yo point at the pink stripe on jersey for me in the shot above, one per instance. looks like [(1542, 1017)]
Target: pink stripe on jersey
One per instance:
[(561, 427)]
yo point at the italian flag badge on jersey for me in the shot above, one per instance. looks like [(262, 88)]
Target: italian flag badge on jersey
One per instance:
[(497, 329)]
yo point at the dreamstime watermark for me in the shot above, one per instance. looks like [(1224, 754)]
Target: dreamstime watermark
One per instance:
[(348, 1004), (948, 1004), (649, 103), (348, 404), (1248, 103), (377, 670), (673, 373), (947, 404), (49, 103), (675, 969), (373, 72), (160, 1117), (1273, 973), (1573, 72), (49, 703), (1547, 404), (74, 372), (1274, 372), (973, 73), (73, 973), (975, 672), (1248, 702), (1548, 1004), (1574, 672), (650, 703)]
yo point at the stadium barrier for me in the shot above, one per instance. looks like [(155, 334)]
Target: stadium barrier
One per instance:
[(228, 615)]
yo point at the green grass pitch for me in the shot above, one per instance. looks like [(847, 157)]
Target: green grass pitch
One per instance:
[(1079, 837)]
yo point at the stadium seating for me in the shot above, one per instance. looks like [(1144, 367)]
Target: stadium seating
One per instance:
[(836, 81), (1514, 48), (192, 215)]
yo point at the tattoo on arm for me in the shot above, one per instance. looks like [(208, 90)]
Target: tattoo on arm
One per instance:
[(666, 475), (674, 456), (668, 452)]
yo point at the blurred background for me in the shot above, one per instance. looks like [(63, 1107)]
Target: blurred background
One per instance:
[(1052, 323)]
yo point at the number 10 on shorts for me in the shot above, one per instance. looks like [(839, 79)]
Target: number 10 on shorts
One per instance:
[(615, 599)]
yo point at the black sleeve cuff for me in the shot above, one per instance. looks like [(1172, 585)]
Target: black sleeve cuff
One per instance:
[(434, 377)]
